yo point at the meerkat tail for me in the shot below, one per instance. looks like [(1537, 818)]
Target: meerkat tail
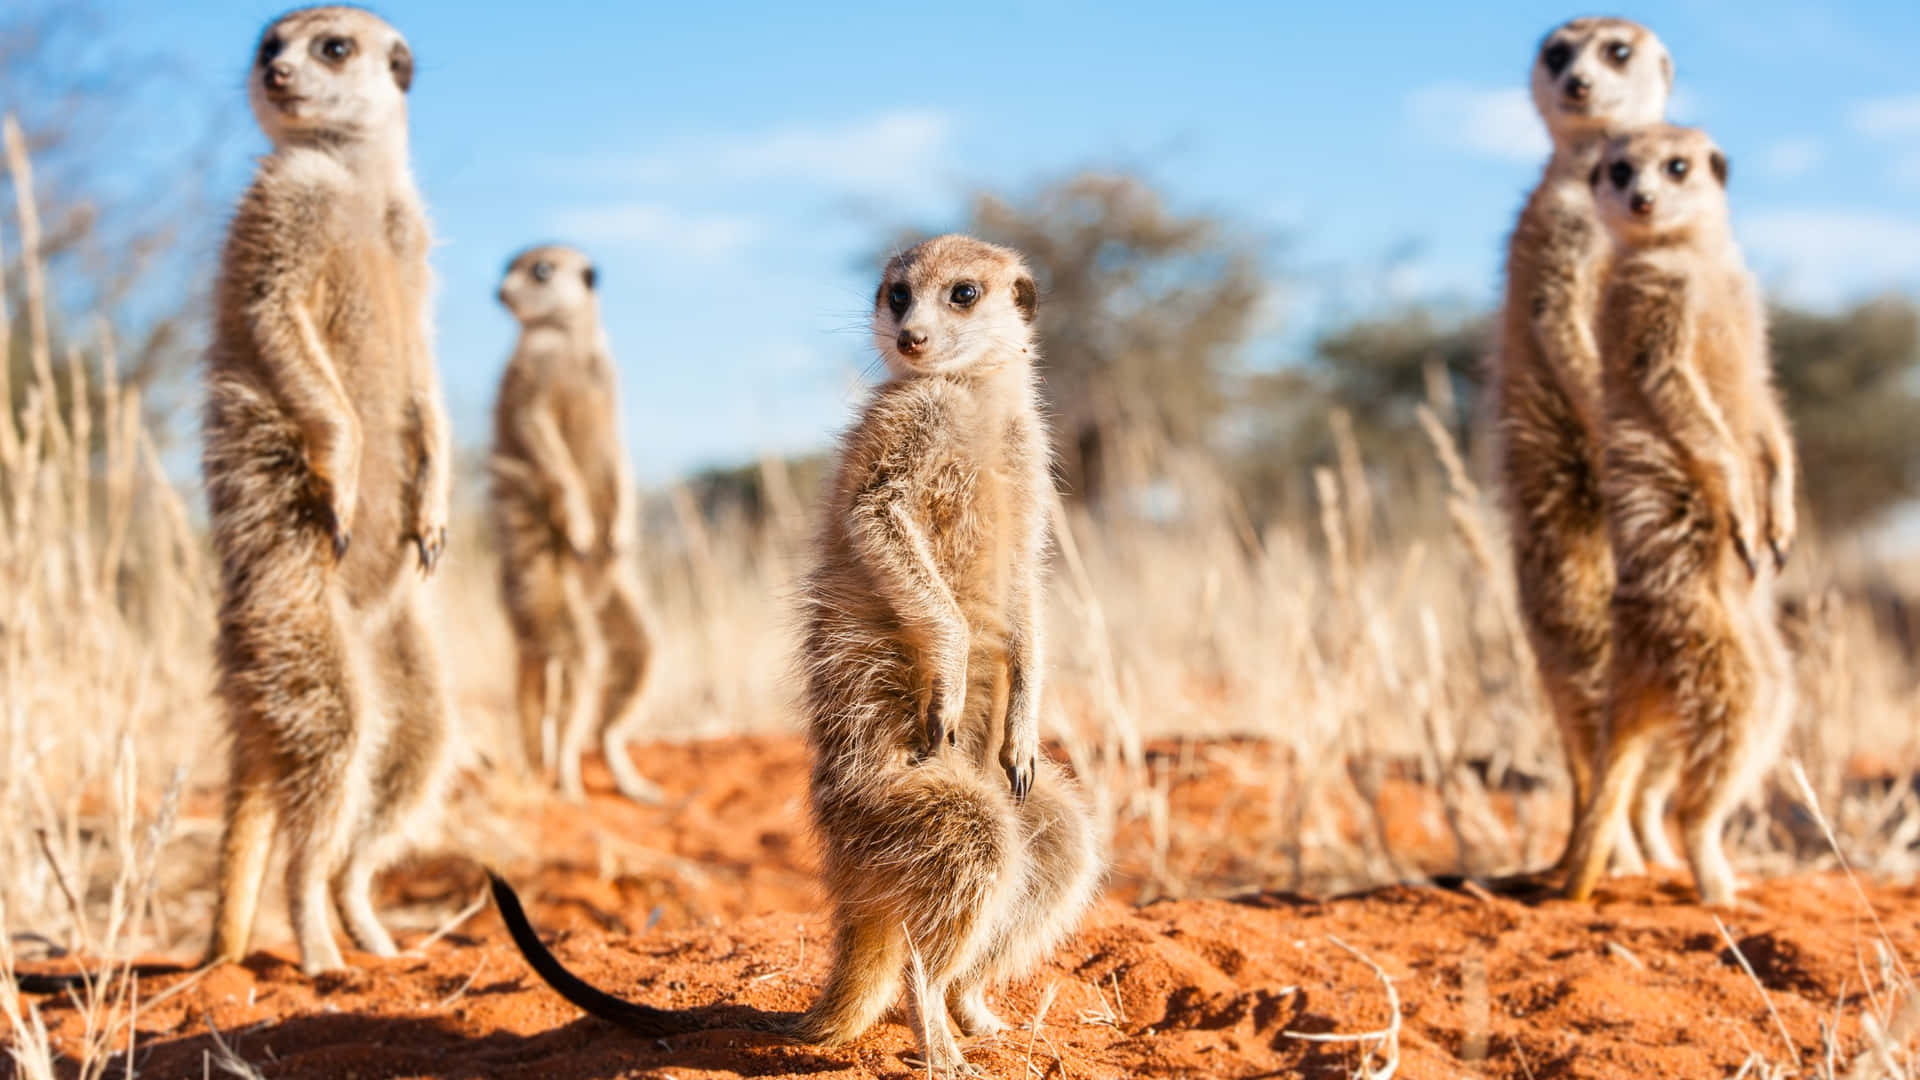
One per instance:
[(637, 1018)]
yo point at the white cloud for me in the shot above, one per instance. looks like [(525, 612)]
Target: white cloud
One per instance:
[(705, 237), (903, 148), (1888, 117), (1793, 157), (1498, 123), (1824, 256)]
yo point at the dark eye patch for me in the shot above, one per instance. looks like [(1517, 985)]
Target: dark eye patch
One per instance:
[(541, 271), (899, 297), (1621, 174), (964, 294), (1677, 168), (1557, 56), (1620, 52), (270, 48), (334, 49)]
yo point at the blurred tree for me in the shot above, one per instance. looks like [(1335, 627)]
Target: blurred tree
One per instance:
[(1849, 381), (1143, 314), (1380, 368)]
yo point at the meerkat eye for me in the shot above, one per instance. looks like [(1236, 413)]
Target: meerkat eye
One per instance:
[(1556, 56), (270, 49), (542, 271), (899, 297), (964, 294), (1621, 174), (336, 49), (1677, 168), (1620, 52)]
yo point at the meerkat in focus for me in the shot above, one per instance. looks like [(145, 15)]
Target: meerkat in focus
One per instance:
[(1699, 483), (944, 832), (1591, 77), (563, 511), (326, 461)]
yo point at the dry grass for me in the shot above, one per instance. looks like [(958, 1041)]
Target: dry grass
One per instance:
[(1337, 663)]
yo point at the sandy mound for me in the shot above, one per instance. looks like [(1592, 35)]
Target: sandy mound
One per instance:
[(1640, 984)]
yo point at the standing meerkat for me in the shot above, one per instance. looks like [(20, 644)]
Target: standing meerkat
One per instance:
[(563, 512), (1699, 488), (326, 458), (944, 832), (1591, 77)]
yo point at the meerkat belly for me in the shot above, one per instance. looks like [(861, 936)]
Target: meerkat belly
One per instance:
[(372, 331)]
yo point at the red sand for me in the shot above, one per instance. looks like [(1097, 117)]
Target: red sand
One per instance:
[(1640, 984)]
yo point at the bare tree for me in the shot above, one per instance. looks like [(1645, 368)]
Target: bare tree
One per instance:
[(1143, 315)]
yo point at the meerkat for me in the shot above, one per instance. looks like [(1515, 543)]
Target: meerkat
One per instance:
[(1590, 77), (944, 832), (326, 461), (562, 503), (1699, 486)]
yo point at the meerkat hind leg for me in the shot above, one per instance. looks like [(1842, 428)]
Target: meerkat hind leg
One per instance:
[(584, 676), (868, 957), (409, 671), (1062, 871), (1650, 813), (1605, 817), (244, 850), (628, 668)]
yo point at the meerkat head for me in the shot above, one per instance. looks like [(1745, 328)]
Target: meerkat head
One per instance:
[(549, 283), (330, 74), (1661, 184), (1593, 75), (953, 303)]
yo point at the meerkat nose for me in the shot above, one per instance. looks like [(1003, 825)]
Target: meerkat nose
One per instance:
[(279, 74), (1578, 88), (1641, 204), (909, 341)]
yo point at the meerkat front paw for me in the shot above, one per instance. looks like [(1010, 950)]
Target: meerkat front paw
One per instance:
[(334, 503), (578, 528), (948, 702), (430, 540), (1781, 524), (1020, 755)]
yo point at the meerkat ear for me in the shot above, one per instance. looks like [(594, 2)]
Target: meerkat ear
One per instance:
[(1025, 298), (400, 62), (1717, 161), (592, 277)]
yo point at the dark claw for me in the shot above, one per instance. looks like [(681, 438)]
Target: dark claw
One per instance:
[(937, 732), (1740, 548), (430, 550), (1779, 553), (1021, 777)]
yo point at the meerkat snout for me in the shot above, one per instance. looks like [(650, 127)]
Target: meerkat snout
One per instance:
[(1577, 88)]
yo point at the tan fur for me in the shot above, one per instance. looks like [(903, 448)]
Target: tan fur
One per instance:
[(563, 513), (1699, 487), (1546, 381), (326, 458), (922, 657)]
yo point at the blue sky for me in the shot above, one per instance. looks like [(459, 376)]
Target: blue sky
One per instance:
[(734, 168)]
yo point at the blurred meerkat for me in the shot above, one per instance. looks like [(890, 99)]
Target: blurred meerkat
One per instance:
[(1699, 486), (326, 457), (944, 832), (1591, 77), (563, 511)]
